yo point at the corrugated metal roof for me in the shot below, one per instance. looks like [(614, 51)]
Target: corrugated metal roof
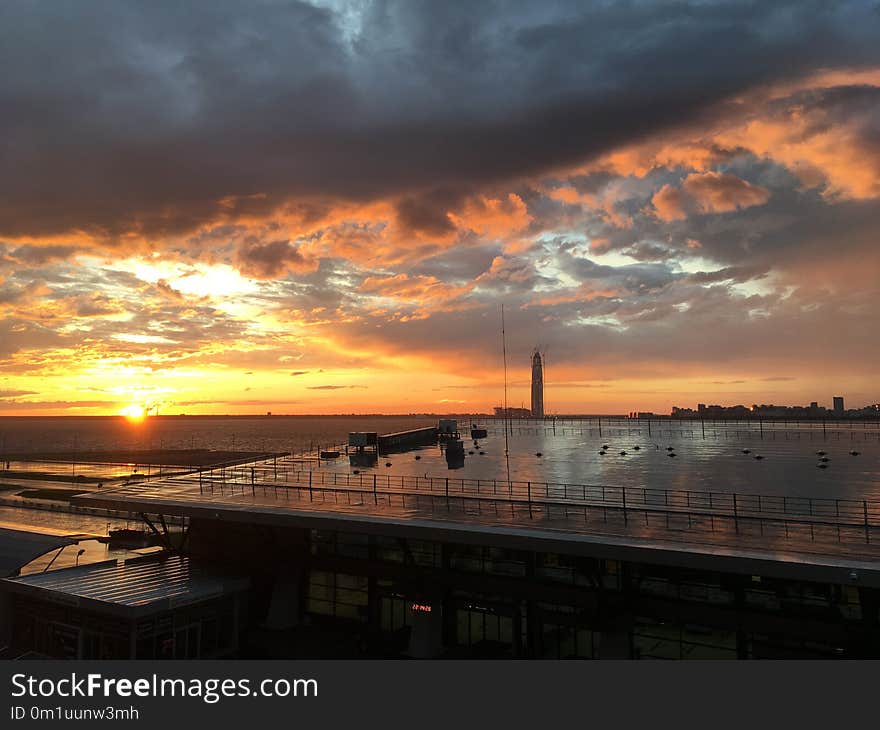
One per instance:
[(140, 585), (18, 548)]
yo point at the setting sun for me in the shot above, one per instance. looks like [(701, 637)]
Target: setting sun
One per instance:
[(133, 412)]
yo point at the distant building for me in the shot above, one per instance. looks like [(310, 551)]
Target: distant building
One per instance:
[(701, 408), (838, 406), (537, 386), (500, 412)]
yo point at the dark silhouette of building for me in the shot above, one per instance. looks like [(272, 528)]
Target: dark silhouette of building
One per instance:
[(838, 406), (537, 385), (502, 412)]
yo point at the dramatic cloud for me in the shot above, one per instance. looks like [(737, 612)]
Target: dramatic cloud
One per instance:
[(151, 118), (197, 201)]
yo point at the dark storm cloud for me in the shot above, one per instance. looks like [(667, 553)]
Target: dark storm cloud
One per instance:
[(269, 260), (458, 264), (30, 255), (730, 273), (428, 212), (155, 117), (648, 252)]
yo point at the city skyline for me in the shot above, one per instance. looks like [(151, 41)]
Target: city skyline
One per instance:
[(321, 207)]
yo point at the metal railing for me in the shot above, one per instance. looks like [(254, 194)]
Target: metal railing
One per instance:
[(817, 519), (694, 428)]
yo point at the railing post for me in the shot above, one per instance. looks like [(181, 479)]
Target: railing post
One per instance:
[(530, 499), (623, 502), (310, 486), (447, 494), (253, 488), (735, 516), (376, 496), (867, 531)]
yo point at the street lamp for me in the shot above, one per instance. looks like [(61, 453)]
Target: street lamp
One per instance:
[(81, 551)]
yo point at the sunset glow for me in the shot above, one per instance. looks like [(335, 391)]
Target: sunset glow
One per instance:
[(305, 209), (133, 413)]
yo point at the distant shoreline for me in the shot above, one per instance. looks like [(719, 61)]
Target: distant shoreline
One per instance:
[(480, 416)]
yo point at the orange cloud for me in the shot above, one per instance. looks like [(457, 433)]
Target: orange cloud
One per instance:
[(583, 293), (717, 192), (640, 159), (420, 288), (816, 148), (605, 201), (570, 196), (493, 217), (707, 192), (819, 126), (669, 203)]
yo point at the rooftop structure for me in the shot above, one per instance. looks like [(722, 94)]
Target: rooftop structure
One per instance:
[(19, 547), (131, 588), (162, 607)]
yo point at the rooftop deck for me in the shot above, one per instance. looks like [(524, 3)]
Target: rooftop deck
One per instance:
[(827, 539)]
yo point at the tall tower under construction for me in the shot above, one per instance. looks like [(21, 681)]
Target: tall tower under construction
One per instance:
[(537, 385)]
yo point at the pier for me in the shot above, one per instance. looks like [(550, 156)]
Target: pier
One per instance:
[(403, 440)]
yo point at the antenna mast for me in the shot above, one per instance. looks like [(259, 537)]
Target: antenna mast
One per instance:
[(506, 409)]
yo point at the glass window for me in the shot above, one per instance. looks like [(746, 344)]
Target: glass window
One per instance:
[(338, 594)]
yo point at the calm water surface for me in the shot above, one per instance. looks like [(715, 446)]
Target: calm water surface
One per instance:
[(714, 462), (245, 433), (708, 456)]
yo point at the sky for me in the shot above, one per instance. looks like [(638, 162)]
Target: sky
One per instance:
[(230, 207)]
